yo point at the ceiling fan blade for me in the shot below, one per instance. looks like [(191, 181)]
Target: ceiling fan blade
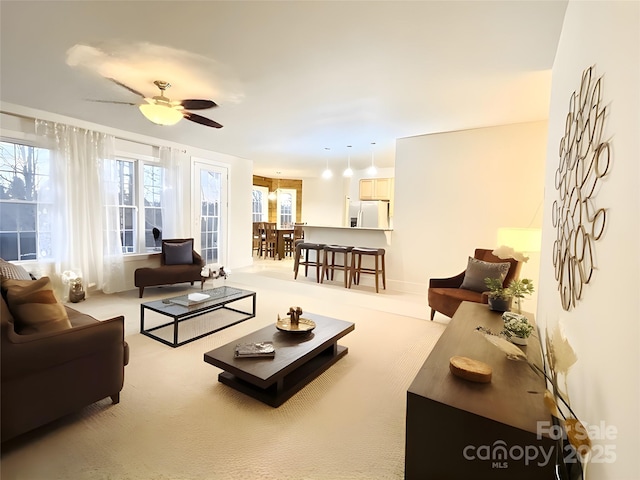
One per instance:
[(201, 120), (193, 104), (110, 101), (125, 86)]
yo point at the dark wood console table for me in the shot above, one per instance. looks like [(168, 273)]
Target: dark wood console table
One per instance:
[(456, 429)]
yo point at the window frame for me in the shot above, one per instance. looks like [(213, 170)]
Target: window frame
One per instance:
[(264, 213), (279, 206), (140, 208), (42, 205)]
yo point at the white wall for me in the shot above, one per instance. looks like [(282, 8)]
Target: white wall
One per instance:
[(603, 328), (452, 193), (323, 200)]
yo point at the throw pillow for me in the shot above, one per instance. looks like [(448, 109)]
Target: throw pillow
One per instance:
[(16, 272), (478, 270), (35, 307), (178, 253)]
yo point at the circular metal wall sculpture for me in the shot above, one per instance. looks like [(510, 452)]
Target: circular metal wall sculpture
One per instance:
[(584, 160)]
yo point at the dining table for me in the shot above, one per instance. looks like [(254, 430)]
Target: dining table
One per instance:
[(281, 242)]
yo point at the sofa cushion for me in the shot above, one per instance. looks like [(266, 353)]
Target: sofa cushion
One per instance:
[(34, 306), (16, 272), (478, 270), (178, 253)]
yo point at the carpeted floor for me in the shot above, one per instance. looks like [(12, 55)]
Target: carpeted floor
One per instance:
[(175, 421)]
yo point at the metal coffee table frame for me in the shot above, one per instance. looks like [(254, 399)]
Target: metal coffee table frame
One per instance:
[(220, 298)]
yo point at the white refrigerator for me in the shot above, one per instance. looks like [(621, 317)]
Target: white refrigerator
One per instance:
[(369, 214)]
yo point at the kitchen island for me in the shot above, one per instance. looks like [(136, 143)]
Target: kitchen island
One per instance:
[(352, 236)]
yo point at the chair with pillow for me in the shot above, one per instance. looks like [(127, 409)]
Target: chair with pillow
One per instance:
[(446, 294), (179, 263)]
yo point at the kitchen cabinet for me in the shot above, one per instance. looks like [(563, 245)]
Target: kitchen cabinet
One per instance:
[(376, 189)]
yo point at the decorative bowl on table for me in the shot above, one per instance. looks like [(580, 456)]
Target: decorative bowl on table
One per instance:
[(294, 323)]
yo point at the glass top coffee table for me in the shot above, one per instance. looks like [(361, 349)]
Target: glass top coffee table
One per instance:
[(187, 313)]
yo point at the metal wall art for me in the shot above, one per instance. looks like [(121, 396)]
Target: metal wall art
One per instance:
[(584, 160)]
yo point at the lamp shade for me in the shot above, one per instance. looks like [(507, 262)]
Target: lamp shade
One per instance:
[(521, 239), (161, 114)]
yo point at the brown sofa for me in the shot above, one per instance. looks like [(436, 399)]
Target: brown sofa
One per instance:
[(445, 295), (47, 375), (174, 266)]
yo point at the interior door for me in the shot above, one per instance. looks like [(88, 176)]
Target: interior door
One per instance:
[(210, 211)]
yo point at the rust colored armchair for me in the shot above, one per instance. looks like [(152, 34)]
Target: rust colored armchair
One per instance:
[(178, 263), (445, 294)]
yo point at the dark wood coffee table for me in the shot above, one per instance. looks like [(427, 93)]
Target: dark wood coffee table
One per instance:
[(299, 359)]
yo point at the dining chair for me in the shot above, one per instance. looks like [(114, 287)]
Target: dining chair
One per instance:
[(270, 239), (257, 238)]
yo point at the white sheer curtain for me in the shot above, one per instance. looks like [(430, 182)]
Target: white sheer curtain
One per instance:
[(172, 195), (86, 225)]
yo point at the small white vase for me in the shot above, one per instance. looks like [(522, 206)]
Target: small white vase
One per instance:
[(518, 340)]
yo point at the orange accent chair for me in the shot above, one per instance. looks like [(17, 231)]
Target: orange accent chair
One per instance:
[(445, 295)]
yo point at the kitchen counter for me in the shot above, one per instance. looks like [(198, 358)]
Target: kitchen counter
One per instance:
[(351, 228), (353, 236)]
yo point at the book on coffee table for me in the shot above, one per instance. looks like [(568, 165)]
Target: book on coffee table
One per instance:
[(255, 350), (191, 299)]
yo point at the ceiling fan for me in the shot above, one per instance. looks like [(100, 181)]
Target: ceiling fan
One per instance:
[(163, 111)]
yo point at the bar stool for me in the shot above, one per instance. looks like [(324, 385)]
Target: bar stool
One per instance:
[(317, 263), (357, 268), (326, 266)]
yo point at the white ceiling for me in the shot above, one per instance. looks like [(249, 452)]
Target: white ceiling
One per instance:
[(291, 78)]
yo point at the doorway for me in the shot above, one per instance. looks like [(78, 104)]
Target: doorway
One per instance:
[(209, 211)]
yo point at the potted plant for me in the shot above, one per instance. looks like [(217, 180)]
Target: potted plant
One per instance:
[(499, 297), (516, 328), (76, 291), (518, 289)]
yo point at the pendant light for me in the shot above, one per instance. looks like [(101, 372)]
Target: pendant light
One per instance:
[(327, 174), (372, 170), (348, 172)]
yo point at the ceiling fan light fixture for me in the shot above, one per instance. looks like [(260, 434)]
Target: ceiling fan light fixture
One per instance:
[(160, 114)]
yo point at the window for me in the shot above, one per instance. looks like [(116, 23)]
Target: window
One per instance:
[(153, 185), (140, 184), (260, 204), (286, 208), (127, 204), (25, 202), (210, 200)]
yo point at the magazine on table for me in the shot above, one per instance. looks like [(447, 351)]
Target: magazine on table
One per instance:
[(257, 349)]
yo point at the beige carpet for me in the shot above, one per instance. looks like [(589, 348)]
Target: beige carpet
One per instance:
[(175, 421)]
